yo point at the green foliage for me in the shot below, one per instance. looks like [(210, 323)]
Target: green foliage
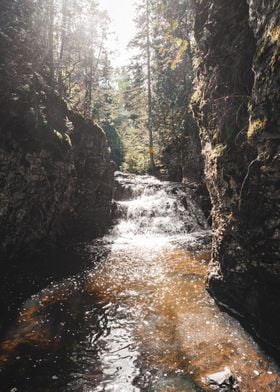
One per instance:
[(70, 56), (129, 117), (136, 158), (172, 77)]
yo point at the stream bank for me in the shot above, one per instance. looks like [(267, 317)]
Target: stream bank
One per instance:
[(138, 317)]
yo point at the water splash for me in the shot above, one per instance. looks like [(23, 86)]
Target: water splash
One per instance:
[(156, 214)]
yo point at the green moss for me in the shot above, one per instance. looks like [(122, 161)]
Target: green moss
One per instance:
[(256, 127)]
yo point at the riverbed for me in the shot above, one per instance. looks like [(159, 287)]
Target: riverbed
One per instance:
[(138, 318)]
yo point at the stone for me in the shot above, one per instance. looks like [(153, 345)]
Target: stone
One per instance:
[(222, 381), (221, 377)]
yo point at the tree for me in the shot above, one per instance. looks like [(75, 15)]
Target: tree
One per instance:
[(64, 25), (163, 50), (130, 118), (149, 87), (51, 39)]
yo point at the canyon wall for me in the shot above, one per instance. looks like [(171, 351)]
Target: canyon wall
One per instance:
[(236, 105), (56, 174)]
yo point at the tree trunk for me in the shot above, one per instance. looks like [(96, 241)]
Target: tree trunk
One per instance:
[(51, 40), (151, 143), (92, 75), (62, 44)]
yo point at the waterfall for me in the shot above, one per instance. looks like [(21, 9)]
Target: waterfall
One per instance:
[(150, 212)]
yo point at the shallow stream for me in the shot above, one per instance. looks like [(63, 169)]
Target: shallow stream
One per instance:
[(139, 319)]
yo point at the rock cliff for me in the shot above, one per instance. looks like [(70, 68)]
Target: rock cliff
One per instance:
[(56, 175), (236, 104)]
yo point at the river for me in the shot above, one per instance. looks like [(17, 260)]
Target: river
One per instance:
[(138, 318)]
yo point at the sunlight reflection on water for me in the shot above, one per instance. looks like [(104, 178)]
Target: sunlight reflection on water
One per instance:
[(141, 321)]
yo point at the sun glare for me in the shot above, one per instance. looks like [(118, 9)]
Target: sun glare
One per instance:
[(122, 14)]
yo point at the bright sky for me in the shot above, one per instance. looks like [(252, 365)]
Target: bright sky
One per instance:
[(122, 14)]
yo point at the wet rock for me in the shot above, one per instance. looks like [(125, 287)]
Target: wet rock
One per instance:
[(222, 381), (163, 201), (123, 190)]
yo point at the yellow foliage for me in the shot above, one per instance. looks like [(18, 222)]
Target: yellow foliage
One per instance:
[(219, 150), (68, 139), (256, 127), (274, 35), (58, 134), (64, 137), (182, 47)]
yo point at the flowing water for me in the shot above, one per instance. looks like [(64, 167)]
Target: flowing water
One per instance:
[(139, 318)]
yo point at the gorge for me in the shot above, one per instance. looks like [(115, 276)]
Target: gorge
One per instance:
[(138, 317), (102, 277)]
